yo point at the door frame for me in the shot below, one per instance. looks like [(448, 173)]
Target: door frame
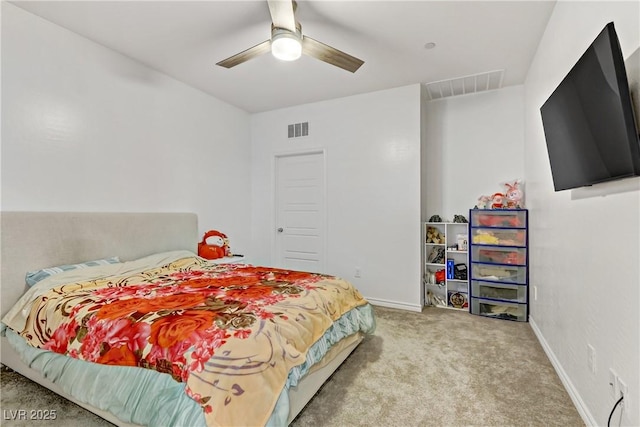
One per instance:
[(324, 215)]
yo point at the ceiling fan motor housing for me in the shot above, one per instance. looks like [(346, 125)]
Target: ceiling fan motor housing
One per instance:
[(286, 44)]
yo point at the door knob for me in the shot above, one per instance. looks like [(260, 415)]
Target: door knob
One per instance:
[(280, 229)]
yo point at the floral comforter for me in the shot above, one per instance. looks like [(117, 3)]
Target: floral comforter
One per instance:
[(231, 332)]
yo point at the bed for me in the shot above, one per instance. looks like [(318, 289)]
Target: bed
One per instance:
[(219, 381)]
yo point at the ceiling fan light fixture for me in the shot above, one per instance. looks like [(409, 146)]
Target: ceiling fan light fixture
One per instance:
[(286, 45)]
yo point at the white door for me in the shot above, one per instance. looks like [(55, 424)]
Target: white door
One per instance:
[(300, 212)]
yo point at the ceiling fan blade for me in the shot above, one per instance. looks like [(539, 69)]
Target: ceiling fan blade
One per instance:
[(330, 55), (246, 55), (282, 14)]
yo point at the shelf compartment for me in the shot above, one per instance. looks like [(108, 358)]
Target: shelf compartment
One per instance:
[(436, 254), (506, 218), (435, 233), (499, 273), (457, 286), (512, 293), (457, 299), (499, 309), (436, 295), (499, 255), (499, 236)]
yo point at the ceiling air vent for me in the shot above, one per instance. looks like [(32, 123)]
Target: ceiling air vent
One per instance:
[(465, 85), (298, 129)]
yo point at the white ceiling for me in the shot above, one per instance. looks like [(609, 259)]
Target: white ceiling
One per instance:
[(185, 39)]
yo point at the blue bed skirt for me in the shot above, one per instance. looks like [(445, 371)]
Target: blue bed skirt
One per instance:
[(147, 397)]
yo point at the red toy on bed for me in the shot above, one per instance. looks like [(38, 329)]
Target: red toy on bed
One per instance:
[(219, 247)]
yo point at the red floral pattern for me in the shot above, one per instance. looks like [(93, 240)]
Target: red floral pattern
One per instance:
[(177, 319)]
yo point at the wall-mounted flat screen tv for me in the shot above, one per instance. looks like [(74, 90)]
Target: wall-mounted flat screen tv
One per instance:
[(589, 121)]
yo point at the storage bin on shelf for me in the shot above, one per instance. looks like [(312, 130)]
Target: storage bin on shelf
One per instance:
[(498, 236), (499, 218), (499, 273), (499, 309), (499, 254), (501, 291)]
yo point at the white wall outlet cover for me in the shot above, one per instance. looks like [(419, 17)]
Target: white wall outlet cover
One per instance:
[(358, 272), (613, 384), (623, 391)]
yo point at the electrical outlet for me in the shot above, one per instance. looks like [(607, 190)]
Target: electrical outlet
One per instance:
[(535, 293), (613, 384), (358, 272), (591, 358), (622, 391)]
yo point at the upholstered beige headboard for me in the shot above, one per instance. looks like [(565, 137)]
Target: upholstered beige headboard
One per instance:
[(33, 240)]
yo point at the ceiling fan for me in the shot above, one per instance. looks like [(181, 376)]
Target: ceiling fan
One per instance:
[(288, 43)]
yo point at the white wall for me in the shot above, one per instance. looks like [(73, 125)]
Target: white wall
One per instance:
[(585, 244), (87, 129), (473, 143), (372, 143)]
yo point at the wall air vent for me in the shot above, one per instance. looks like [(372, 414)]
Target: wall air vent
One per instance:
[(298, 129), (465, 85)]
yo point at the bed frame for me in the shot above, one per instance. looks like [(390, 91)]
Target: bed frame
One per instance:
[(33, 240)]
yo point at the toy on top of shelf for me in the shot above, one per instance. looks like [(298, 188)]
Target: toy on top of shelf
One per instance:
[(514, 195), (497, 201), (483, 202), (460, 219), (435, 218)]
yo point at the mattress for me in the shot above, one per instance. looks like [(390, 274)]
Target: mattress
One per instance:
[(165, 396)]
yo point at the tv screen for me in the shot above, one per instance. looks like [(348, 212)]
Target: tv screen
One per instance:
[(588, 120)]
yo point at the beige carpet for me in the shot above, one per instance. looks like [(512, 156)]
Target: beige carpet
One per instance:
[(435, 368), (444, 368)]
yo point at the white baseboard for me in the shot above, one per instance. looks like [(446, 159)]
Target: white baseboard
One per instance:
[(395, 304), (566, 381)]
